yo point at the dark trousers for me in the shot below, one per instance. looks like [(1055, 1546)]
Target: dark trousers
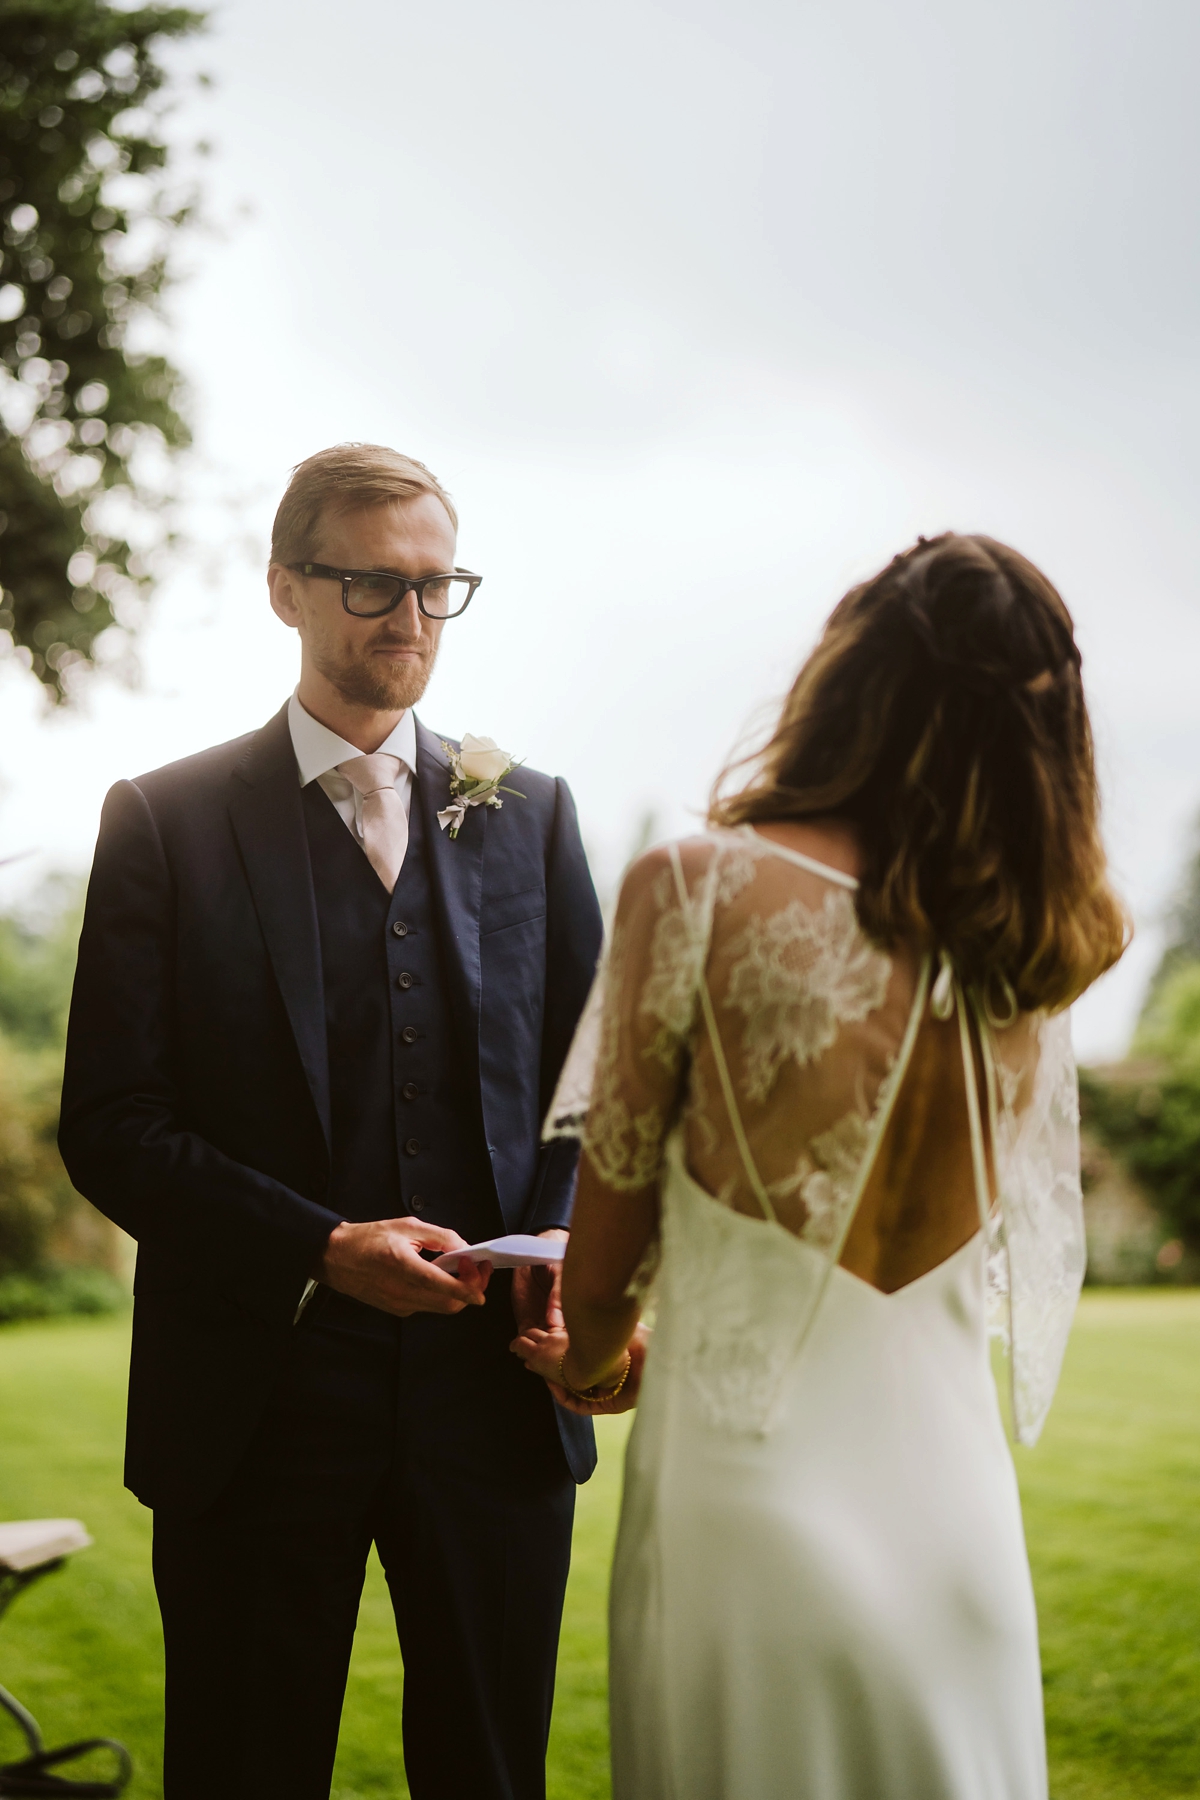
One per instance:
[(260, 1594)]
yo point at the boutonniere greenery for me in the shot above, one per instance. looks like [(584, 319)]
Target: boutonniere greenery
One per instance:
[(477, 778)]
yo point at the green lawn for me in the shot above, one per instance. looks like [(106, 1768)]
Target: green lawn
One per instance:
[(1112, 1500)]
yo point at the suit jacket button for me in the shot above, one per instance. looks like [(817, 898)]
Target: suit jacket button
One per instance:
[(417, 1203), (412, 1147), (410, 1090), (400, 928), (409, 1035), (404, 979)]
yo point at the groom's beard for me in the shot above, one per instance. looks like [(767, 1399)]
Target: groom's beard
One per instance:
[(367, 680)]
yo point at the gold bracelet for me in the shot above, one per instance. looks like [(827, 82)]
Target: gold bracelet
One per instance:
[(591, 1396)]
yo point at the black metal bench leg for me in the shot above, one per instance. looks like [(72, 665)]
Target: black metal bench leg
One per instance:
[(31, 1776)]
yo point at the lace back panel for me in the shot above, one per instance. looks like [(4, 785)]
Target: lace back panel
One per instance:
[(740, 1004)]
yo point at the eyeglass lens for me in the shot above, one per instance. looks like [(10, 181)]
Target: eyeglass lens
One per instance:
[(371, 595)]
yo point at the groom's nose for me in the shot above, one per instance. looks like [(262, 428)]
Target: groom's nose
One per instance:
[(406, 623)]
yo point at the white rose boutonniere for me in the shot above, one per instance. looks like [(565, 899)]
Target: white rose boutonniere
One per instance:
[(478, 775)]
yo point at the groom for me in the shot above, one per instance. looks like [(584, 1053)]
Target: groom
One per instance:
[(312, 1039)]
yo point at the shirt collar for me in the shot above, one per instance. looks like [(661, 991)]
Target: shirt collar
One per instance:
[(318, 750)]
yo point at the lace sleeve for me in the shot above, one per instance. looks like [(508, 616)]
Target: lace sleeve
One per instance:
[(1042, 1252), (569, 1107), (621, 1085)]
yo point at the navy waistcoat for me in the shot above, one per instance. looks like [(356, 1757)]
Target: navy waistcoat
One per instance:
[(407, 1136)]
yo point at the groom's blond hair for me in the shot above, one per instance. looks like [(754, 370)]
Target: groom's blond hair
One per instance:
[(343, 479)]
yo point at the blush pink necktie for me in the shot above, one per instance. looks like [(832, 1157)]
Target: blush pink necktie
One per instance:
[(384, 820)]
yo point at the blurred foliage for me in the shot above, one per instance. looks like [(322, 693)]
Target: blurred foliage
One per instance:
[(53, 1293), (57, 1253), (1148, 1110), (1169, 1027), (1183, 922), (32, 1190), (37, 964), (85, 410)]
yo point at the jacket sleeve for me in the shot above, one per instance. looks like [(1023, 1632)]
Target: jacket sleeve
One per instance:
[(574, 934), (191, 1207)]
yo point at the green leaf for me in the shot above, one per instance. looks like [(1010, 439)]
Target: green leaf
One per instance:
[(72, 73)]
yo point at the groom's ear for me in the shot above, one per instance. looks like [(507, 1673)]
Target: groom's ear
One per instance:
[(281, 585)]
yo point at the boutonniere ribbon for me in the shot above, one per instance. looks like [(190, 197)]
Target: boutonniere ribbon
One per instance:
[(479, 769)]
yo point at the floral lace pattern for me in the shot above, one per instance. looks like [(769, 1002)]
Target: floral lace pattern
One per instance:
[(1041, 1199), (733, 1337), (825, 1179), (798, 977), (624, 1143), (668, 996)]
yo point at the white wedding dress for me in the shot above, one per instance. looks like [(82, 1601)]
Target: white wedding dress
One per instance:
[(821, 1590), (840, 1606)]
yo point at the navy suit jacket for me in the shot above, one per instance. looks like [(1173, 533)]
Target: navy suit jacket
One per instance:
[(196, 1095)]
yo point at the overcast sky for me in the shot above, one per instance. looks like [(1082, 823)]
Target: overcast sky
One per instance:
[(701, 311)]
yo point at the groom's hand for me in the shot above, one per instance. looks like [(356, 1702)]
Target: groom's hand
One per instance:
[(380, 1263)]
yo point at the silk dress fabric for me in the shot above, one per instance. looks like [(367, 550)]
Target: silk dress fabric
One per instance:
[(839, 1608), (821, 1589)]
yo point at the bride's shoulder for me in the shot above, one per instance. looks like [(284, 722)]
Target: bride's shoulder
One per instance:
[(655, 875)]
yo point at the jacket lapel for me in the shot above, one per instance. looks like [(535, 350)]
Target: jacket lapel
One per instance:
[(268, 821), (456, 877)]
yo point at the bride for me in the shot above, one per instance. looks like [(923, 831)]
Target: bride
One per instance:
[(828, 1110)]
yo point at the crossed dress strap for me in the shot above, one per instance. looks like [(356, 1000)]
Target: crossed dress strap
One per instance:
[(951, 995), (731, 1106), (887, 1099)]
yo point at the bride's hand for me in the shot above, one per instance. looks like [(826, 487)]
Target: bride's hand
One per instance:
[(542, 1351)]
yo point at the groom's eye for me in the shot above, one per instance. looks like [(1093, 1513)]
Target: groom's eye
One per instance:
[(446, 597), (368, 593)]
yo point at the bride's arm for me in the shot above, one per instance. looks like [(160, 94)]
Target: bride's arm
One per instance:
[(640, 1071), (610, 1234)]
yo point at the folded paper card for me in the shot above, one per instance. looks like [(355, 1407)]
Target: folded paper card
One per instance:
[(515, 1252)]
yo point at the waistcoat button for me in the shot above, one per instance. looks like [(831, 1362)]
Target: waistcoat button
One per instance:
[(404, 979), (400, 928), (409, 1035), (410, 1090), (412, 1147)]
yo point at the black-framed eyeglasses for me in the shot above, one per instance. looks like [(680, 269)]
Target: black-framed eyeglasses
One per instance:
[(370, 593)]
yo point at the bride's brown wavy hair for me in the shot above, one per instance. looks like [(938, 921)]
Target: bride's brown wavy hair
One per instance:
[(942, 713)]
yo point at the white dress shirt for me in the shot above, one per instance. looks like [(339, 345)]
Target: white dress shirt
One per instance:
[(319, 751)]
